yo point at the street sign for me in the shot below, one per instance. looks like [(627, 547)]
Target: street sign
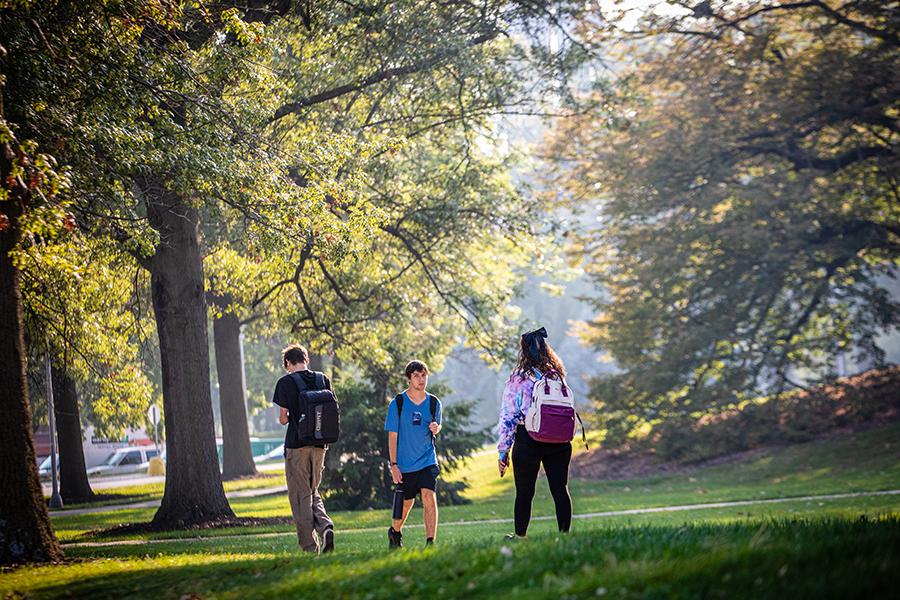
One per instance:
[(153, 414)]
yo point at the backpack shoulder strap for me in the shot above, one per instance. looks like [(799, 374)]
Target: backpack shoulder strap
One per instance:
[(320, 380), (583, 434), (298, 379), (432, 404), (399, 400), (301, 402)]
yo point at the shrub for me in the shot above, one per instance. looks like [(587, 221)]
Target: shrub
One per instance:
[(356, 472)]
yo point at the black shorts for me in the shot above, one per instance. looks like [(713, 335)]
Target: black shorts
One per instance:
[(416, 481)]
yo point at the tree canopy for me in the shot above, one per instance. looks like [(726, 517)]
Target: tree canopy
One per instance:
[(237, 151), (743, 162)]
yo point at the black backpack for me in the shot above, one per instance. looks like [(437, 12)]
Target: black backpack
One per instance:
[(432, 404), (319, 421)]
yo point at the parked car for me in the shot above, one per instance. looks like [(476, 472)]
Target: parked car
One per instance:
[(126, 460), (44, 468), (275, 453)]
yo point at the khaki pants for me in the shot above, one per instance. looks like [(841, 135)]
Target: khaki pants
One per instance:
[(304, 467)]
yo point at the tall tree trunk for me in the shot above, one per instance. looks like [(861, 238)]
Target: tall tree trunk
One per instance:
[(25, 531), (237, 458), (336, 366), (74, 485), (315, 362), (193, 492)]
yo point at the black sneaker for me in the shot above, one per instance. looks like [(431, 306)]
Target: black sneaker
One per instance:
[(395, 539), (328, 536), (429, 542)]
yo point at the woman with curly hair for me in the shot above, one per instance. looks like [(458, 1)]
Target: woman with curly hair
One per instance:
[(536, 359)]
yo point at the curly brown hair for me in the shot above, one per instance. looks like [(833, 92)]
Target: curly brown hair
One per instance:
[(546, 361)]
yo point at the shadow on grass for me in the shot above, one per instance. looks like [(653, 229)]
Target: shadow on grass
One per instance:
[(132, 529), (155, 578), (777, 558), (101, 500)]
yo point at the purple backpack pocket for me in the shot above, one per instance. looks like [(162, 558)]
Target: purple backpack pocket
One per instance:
[(557, 424)]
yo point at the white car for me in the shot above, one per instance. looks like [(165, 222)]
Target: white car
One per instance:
[(44, 468), (276, 452), (126, 460)]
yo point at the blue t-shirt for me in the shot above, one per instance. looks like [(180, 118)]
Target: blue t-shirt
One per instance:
[(415, 448)]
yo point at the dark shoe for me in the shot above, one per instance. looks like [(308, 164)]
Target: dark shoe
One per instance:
[(328, 536), (429, 542), (395, 539)]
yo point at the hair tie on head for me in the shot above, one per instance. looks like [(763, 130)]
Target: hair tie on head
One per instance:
[(534, 341)]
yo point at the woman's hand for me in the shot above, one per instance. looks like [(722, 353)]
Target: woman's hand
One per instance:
[(502, 465)]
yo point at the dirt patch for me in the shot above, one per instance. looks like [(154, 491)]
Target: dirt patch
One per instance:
[(618, 464), (99, 499), (871, 399)]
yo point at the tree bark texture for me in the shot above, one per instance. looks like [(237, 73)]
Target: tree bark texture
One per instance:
[(237, 458), (336, 366), (316, 362), (73, 480), (25, 531), (193, 492)]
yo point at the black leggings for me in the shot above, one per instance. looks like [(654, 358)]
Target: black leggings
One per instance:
[(527, 456)]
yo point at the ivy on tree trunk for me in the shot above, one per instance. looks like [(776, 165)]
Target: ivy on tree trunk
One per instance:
[(25, 531)]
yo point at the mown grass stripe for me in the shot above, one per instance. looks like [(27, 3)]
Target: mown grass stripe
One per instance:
[(592, 515)]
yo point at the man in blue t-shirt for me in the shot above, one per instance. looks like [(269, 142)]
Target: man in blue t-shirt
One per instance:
[(413, 419)]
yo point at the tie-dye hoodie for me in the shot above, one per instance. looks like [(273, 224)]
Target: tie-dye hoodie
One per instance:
[(513, 407)]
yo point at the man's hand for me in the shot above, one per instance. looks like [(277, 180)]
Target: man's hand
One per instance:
[(396, 475), (435, 427)]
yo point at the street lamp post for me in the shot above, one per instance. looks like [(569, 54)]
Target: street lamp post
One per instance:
[(55, 498)]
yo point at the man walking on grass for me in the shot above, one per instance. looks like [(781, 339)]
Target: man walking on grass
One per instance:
[(304, 459), (413, 420)]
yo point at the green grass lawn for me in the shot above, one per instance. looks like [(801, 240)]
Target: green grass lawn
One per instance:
[(836, 549), (154, 491), (864, 461), (803, 548)]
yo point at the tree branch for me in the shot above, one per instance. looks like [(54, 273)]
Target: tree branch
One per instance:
[(379, 76), (334, 285), (803, 160), (304, 255)]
